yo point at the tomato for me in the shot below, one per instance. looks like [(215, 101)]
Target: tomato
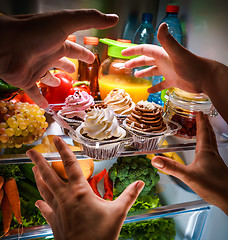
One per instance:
[(59, 94), (80, 86)]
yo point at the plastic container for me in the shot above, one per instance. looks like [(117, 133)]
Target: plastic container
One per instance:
[(89, 72), (145, 32), (174, 26), (113, 74), (181, 107)]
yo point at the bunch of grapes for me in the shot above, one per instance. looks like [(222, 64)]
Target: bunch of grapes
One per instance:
[(20, 123)]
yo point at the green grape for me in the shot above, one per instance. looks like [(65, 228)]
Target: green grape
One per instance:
[(4, 138), (3, 110), (3, 125), (25, 133), (10, 120), (30, 128), (10, 132), (17, 132), (22, 125), (2, 103)]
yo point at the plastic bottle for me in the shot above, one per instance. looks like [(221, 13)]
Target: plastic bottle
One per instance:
[(130, 26), (173, 23), (89, 72), (145, 32)]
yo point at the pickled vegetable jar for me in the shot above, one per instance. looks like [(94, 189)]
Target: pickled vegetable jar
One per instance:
[(113, 74), (181, 107)]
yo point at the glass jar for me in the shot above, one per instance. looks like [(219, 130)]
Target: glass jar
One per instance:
[(113, 74), (181, 107)]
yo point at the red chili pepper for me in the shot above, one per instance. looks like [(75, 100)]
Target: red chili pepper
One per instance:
[(95, 180), (108, 186)]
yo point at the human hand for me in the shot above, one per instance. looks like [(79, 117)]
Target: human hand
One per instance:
[(180, 67), (207, 175), (72, 209), (34, 43)]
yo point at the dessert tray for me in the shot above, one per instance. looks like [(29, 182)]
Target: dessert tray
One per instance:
[(109, 149)]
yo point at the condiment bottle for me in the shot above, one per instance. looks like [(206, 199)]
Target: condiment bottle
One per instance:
[(181, 107), (89, 72)]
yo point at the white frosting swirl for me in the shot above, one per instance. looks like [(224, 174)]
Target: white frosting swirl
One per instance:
[(120, 101), (77, 104), (101, 123)]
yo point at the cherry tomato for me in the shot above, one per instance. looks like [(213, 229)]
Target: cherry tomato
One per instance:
[(59, 94)]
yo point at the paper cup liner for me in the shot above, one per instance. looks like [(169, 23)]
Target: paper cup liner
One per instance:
[(101, 150), (149, 141)]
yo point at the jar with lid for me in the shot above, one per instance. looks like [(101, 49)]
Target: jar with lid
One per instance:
[(181, 107), (113, 74)]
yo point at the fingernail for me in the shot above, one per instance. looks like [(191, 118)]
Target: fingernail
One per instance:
[(34, 169), (139, 186), (112, 15), (29, 153), (158, 163)]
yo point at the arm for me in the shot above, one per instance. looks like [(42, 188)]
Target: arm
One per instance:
[(72, 208), (32, 44), (181, 69), (207, 175)]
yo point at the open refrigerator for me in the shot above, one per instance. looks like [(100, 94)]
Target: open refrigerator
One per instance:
[(194, 219)]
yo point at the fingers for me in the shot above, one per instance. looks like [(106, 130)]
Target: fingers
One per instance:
[(65, 65), (46, 172), (205, 134), (71, 165), (45, 192), (147, 72), (73, 50), (159, 87), (129, 195), (140, 61), (170, 167), (36, 96), (45, 210), (168, 42), (50, 80)]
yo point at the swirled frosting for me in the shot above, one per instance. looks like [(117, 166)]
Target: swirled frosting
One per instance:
[(120, 101), (147, 117), (77, 104), (100, 123)]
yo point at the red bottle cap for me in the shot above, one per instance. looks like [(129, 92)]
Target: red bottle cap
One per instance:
[(91, 40), (172, 8)]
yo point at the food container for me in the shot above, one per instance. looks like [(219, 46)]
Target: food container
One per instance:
[(149, 141), (101, 150), (181, 107), (113, 74)]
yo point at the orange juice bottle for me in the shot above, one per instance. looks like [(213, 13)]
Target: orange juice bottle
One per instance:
[(113, 74), (89, 72)]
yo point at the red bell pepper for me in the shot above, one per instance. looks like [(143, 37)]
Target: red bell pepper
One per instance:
[(80, 86), (95, 180), (108, 186)]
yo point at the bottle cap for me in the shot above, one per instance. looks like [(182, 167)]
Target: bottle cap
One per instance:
[(91, 41), (172, 8), (115, 48), (124, 40), (71, 38), (147, 16)]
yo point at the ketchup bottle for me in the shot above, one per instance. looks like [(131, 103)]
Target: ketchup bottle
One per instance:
[(89, 72)]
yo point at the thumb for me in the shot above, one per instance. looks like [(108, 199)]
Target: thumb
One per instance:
[(129, 195), (170, 167), (168, 42)]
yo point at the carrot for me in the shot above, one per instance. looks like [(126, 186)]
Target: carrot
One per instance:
[(6, 213), (11, 190), (1, 195), (1, 181)]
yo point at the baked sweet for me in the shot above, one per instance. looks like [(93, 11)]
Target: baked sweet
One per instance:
[(100, 123), (147, 117), (76, 105), (120, 101)]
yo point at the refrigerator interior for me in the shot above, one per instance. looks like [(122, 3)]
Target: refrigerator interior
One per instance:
[(204, 25)]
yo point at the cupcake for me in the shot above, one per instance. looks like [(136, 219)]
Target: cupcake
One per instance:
[(100, 134), (76, 105), (120, 101), (146, 124)]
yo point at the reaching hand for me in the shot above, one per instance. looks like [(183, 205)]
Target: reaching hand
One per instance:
[(207, 175), (72, 209), (33, 43)]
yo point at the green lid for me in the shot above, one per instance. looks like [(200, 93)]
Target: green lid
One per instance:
[(115, 48)]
